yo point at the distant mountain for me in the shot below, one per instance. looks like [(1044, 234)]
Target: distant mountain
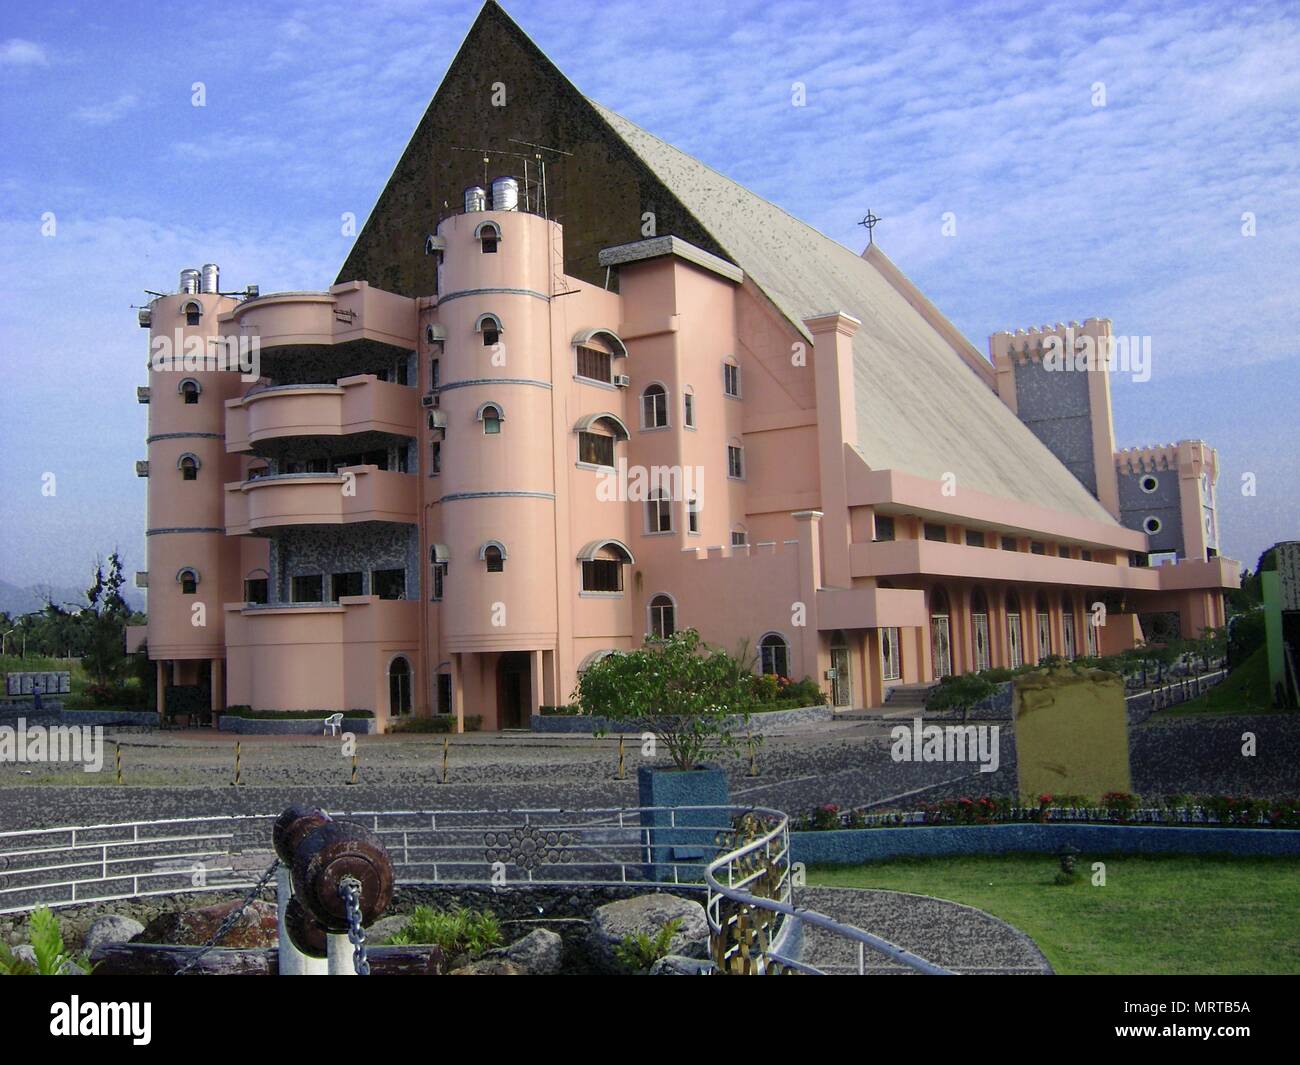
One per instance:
[(15, 600)]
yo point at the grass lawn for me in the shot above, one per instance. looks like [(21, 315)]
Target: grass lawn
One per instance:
[(1245, 691), (1161, 915)]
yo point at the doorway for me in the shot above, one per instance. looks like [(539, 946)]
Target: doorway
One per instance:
[(514, 690), (842, 681)]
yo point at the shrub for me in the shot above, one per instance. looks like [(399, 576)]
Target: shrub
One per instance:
[(455, 932), (640, 951), (47, 943), (437, 723), (567, 710)]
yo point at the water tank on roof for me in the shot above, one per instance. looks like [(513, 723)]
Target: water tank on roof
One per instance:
[(190, 281), (475, 199), (211, 278), (505, 194)]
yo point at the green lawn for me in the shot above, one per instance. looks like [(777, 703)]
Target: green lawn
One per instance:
[(1153, 916), (1245, 691)]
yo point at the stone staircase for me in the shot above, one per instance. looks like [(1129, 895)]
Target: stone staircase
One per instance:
[(907, 697)]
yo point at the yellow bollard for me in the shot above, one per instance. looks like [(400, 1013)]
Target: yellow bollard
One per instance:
[(118, 760), (444, 759), (353, 779), (237, 755)]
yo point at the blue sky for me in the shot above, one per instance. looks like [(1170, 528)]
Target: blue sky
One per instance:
[(1064, 209)]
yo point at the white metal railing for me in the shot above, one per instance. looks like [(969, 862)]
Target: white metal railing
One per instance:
[(764, 858)]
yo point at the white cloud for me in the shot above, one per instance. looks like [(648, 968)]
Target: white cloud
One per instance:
[(107, 111), (16, 52)]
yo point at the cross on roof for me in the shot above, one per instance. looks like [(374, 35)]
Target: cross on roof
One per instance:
[(869, 221)]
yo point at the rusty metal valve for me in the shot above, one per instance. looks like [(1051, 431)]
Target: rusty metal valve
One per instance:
[(331, 853), (292, 826), (305, 932)]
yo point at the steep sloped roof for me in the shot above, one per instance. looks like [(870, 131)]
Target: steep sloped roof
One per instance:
[(920, 408)]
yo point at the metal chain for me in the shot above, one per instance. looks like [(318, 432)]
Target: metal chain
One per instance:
[(232, 918), (350, 893)]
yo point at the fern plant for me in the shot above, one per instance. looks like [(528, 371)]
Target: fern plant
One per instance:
[(459, 931), (52, 957), (640, 951)]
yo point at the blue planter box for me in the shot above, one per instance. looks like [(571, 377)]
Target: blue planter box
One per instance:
[(857, 846), (681, 837)]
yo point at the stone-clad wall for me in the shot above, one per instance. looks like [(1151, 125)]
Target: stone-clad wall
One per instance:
[(326, 550), (1055, 405), (1165, 503)]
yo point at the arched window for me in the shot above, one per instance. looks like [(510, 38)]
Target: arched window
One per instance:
[(188, 579), (490, 326), (399, 687), (688, 407), (940, 633), (193, 311), (774, 655), (602, 565), (654, 407), (693, 514), (189, 466), (190, 389), (1044, 618), (658, 513), (735, 460), (663, 617), (1015, 634), (493, 554), (597, 436), (731, 378), (490, 415), (487, 234)]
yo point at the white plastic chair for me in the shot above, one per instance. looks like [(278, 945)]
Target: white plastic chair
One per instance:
[(332, 725)]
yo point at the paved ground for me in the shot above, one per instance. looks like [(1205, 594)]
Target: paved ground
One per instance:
[(960, 938), (189, 773)]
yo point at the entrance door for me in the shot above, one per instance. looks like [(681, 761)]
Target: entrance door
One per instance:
[(1015, 648), (842, 685), (514, 689), (1044, 635), (941, 645), (980, 623)]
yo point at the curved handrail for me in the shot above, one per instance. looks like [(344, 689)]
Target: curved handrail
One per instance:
[(737, 893)]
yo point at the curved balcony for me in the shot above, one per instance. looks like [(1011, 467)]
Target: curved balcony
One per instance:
[(355, 493), (360, 404), (347, 313)]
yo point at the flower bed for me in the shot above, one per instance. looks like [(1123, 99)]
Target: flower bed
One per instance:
[(1115, 808)]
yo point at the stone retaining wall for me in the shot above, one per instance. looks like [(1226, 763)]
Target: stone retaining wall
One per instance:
[(312, 726), (48, 717), (759, 724)]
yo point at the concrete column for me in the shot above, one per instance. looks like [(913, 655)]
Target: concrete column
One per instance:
[(218, 697), (837, 428), (808, 525), (160, 686), (458, 690)]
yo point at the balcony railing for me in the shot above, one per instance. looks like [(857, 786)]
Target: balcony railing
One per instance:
[(352, 494), (361, 404)]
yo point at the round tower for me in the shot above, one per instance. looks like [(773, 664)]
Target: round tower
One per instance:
[(192, 565)]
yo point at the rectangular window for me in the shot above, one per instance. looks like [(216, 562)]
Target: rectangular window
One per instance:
[(688, 412), (435, 457), (974, 538), (1009, 543), (739, 538), (659, 515), (735, 461), (1085, 555), (693, 516), (1035, 548), (596, 448), (595, 365), (731, 379), (388, 583), (602, 575), (936, 532), (342, 584), (257, 591), (439, 575), (444, 693), (308, 589), (434, 375), (884, 528)]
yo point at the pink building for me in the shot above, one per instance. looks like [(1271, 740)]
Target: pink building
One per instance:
[(503, 445)]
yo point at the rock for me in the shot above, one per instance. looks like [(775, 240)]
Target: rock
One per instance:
[(71, 968), (676, 965), (25, 952), (381, 930), (193, 928), (488, 967), (648, 914), (538, 954), (111, 929)]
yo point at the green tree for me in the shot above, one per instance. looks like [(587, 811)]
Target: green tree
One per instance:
[(689, 695)]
